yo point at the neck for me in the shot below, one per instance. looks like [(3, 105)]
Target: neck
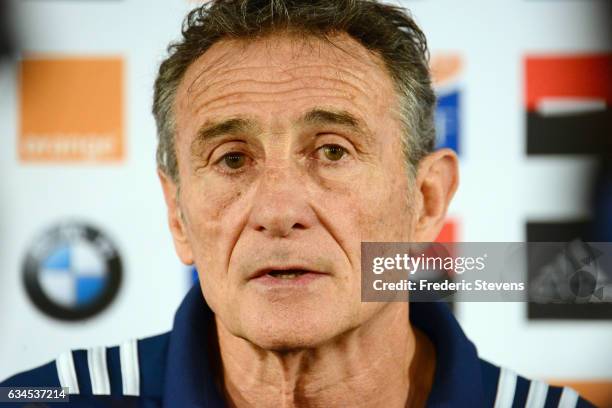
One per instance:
[(384, 362)]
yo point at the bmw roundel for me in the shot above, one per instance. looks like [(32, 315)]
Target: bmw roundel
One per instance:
[(72, 271)]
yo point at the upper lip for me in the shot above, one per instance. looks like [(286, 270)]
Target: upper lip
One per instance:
[(263, 271)]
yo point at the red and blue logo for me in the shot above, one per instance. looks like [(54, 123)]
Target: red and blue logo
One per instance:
[(446, 71)]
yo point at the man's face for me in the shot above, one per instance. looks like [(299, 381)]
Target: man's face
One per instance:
[(289, 157)]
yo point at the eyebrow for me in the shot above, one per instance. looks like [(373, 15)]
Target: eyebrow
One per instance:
[(212, 130), (321, 116), (316, 116), (231, 126)]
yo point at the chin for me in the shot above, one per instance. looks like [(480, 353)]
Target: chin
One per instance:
[(288, 340), (292, 328)]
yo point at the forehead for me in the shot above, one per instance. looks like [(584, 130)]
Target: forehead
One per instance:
[(281, 76)]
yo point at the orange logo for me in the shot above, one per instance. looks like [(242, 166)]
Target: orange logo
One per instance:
[(71, 110)]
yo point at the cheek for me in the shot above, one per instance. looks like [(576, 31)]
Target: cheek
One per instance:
[(385, 214), (371, 208), (210, 214)]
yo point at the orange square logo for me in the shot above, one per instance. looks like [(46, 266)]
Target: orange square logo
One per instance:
[(71, 110)]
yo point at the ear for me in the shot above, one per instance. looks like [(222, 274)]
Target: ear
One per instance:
[(175, 219), (436, 182)]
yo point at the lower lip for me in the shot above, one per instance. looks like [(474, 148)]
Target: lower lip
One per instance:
[(301, 280)]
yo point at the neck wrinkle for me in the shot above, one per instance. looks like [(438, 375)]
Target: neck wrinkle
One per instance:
[(384, 361)]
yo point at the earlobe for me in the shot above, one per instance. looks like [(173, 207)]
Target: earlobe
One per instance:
[(175, 218), (436, 183)]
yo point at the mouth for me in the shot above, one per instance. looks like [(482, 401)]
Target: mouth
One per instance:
[(286, 275)]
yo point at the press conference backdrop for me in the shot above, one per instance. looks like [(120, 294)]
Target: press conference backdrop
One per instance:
[(525, 94)]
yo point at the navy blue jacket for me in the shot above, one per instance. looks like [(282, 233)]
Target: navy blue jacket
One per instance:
[(161, 371)]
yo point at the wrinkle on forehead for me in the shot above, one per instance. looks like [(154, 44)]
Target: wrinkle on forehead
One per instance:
[(292, 75), (339, 59), (337, 48)]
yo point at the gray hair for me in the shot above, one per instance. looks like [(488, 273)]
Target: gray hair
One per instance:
[(386, 30)]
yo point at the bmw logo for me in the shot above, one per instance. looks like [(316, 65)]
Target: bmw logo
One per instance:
[(72, 271)]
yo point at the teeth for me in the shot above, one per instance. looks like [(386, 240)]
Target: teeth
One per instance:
[(286, 275)]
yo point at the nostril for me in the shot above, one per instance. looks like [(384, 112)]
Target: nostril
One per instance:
[(297, 225)]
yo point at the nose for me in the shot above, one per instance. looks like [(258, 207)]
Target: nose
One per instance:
[(281, 205)]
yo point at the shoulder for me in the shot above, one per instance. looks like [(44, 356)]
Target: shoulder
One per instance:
[(505, 388), (133, 369)]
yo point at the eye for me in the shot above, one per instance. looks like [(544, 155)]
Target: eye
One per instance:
[(234, 160), (333, 152)]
